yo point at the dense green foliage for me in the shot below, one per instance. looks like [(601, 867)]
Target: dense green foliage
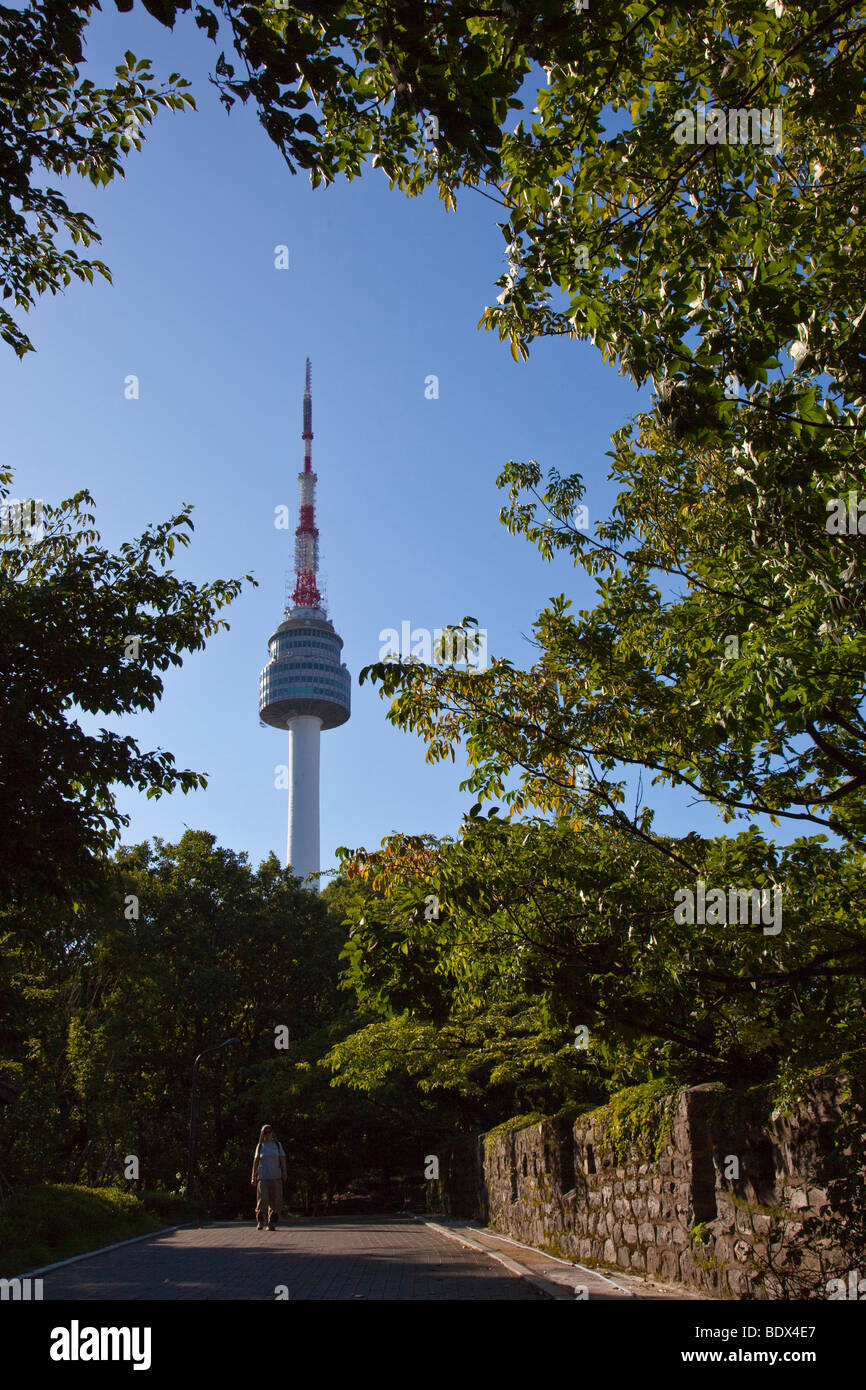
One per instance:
[(52, 1221), (543, 929), (82, 629), (103, 1016)]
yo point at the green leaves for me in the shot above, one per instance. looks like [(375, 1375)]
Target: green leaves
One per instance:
[(547, 929), (176, 947), (56, 122), (69, 611)]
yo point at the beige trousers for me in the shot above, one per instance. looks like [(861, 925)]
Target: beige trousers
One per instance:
[(270, 1194)]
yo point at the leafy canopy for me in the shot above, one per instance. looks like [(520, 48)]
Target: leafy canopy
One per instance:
[(541, 930), (54, 122), (84, 630)]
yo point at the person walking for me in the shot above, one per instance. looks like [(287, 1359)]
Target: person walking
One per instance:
[(269, 1174)]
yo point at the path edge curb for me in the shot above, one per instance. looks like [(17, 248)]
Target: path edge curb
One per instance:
[(118, 1245), (555, 1292)]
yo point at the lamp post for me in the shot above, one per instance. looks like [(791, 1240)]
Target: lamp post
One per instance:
[(191, 1183)]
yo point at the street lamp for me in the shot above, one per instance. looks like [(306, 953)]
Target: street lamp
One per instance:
[(193, 1112)]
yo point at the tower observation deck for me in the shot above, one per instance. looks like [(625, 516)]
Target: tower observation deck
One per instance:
[(305, 687)]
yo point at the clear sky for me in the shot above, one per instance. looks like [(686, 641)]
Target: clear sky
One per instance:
[(380, 292)]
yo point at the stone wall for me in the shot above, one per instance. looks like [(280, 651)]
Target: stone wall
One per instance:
[(718, 1198)]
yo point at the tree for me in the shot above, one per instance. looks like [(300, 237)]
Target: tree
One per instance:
[(725, 654), (294, 60), (181, 946), (689, 247), (624, 224), (558, 963), (184, 945), (83, 629), (54, 121)]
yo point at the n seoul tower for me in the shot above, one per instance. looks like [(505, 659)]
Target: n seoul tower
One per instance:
[(305, 687)]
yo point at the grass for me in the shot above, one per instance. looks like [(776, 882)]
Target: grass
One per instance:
[(52, 1221)]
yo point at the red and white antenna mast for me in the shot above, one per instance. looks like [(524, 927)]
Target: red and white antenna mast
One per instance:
[(306, 593)]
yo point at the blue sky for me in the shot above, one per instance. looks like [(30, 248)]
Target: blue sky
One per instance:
[(380, 292)]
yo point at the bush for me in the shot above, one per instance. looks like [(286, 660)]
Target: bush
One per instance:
[(51, 1221)]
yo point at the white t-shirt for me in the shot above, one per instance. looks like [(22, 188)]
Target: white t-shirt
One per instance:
[(269, 1154)]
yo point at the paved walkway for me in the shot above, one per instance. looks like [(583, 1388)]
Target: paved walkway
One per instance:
[(345, 1258), (560, 1279)]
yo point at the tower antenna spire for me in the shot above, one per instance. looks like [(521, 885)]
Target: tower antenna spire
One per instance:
[(306, 592)]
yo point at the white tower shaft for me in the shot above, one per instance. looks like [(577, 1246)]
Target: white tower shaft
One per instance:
[(303, 845)]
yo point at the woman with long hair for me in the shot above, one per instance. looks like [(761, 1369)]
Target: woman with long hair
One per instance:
[(269, 1174)]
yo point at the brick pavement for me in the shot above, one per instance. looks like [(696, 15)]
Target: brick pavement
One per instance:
[(336, 1258)]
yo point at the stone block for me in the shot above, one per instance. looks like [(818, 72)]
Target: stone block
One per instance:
[(680, 1136), (629, 1233), (609, 1255), (646, 1233), (738, 1283), (622, 1257), (812, 1260), (679, 1235), (638, 1260), (670, 1265), (663, 1235)]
